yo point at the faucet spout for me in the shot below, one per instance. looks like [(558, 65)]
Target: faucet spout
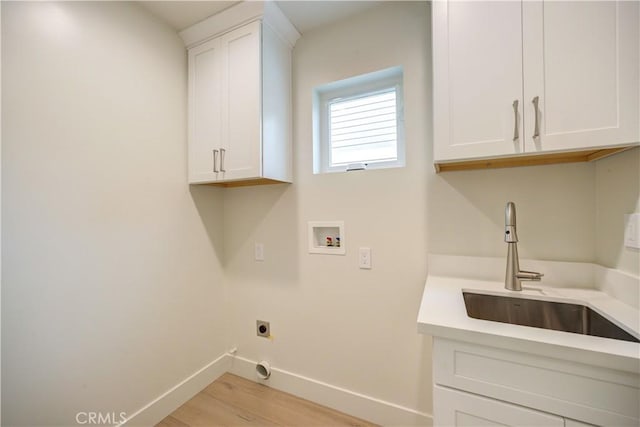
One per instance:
[(514, 276), (510, 235)]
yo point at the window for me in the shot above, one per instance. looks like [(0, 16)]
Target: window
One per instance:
[(359, 121)]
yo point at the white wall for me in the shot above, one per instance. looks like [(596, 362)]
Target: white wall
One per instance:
[(555, 211), (617, 194), (332, 322), (354, 328), (568, 212), (111, 283), (0, 217), (112, 267)]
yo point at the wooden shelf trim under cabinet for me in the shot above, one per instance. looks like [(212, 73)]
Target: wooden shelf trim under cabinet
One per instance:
[(530, 160), (247, 182)]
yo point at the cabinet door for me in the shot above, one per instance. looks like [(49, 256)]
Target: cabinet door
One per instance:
[(477, 54), (457, 408), (581, 61), (241, 123), (204, 111)]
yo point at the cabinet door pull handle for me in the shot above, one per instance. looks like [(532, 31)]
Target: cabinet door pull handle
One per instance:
[(222, 152), (215, 160), (536, 111), (516, 132)]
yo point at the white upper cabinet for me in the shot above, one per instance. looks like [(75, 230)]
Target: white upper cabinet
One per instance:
[(477, 55), (240, 96), (495, 61), (241, 116), (205, 117), (582, 63)]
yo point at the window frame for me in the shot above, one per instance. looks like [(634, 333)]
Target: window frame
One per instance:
[(352, 88)]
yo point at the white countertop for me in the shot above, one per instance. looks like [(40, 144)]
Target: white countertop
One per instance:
[(443, 313)]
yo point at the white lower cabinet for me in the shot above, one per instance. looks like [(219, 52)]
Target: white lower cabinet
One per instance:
[(457, 408), (477, 385)]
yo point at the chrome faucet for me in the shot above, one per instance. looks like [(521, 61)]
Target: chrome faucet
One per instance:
[(514, 275)]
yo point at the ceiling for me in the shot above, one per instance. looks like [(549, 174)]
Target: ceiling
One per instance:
[(305, 15)]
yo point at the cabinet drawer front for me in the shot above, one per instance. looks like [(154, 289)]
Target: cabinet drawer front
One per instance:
[(590, 394), (457, 408)]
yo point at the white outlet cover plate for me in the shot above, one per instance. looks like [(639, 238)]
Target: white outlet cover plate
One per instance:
[(632, 230), (258, 251), (364, 258)]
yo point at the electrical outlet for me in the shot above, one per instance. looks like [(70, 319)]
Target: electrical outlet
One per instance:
[(263, 329), (364, 258)]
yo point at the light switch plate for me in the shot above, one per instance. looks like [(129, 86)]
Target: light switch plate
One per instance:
[(632, 230), (364, 258), (258, 251)]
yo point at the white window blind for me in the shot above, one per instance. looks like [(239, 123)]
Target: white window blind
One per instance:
[(358, 123), (363, 129)]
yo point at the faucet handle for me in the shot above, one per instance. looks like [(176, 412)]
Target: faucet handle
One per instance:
[(529, 275)]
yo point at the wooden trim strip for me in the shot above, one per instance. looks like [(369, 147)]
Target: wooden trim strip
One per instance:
[(248, 182), (530, 160)]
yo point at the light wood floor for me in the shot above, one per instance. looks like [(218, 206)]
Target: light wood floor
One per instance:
[(235, 401)]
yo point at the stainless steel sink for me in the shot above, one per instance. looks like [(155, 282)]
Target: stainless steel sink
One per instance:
[(574, 318)]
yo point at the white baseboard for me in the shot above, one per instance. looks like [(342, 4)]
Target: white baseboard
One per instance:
[(165, 404), (352, 403)]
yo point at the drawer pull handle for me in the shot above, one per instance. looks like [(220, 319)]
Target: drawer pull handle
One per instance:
[(222, 153), (516, 132), (215, 161), (536, 126)]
